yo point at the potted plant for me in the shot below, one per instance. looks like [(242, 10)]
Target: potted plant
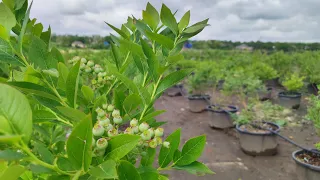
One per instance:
[(307, 163), (257, 141), (196, 84), (291, 98), (56, 125), (266, 74)]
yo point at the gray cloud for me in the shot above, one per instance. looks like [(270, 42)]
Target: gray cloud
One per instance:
[(237, 20)]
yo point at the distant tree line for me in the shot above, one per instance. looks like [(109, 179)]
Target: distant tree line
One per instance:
[(98, 42), (94, 42), (258, 45)]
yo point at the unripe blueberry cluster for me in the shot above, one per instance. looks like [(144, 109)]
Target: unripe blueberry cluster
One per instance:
[(99, 76), (107, 126)]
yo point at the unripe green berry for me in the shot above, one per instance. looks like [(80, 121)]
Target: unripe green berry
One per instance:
[(100, 74), (90, 63), (108, 127), (70, 61), (159, 132), (146, 136), (104, 73), (93, 81), (97, 130), (143, 153), (99, 152), (143, 127), (87, 69), (76, 58), (117, 120), (153, 144), (166, 144), (97, 70), (135, 129), (158, 139), (128, 131), (82, 66), (115, 113), (112, 132), (104, 122), (151, 132), (83, 60), (110, 108), (105, 106), (101, 113), (100, 79), (102, 143), (133, 122)]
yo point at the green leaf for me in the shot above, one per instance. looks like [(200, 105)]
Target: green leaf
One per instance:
[(10, 155), (138, 61), (195, 29), (151, 16), (148, 173), (18, 4), (161, 39), (38, 53), (161, 177), (46, 36), (166, 154), (151, 59), (148, 159), (24, 27), (191, 151), (7, 18), (40, 116), (13, 172), (6, 54), (63, 75), (15, 110), (168, 19), (196, 168), (184, 22), (121, 145), (174, 59), (72, 114), (37, 29), (141, 26), (126, 81), (57, 55), (34, 89), (65, 164), (152, 115), (27, 175), (172, 79), (132, 47), (87, 92), (72, 84), (116, 55), (176, 155), (79, 144), (131, 102), (106, 170), (126, 171), (120, 32), (43, 152)]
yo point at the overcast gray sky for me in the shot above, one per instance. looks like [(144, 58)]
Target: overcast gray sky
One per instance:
[(237, 20)]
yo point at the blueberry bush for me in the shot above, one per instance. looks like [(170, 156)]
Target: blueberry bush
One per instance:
[(84, 120)]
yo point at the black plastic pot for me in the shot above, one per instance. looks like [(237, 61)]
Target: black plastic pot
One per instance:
[(258, 144), (305, 171), (198, 103), (221, 119), (265, 95), (290, 99), (313, 89), (175, 90)]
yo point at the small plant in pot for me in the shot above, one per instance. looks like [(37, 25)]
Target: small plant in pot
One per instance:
[(308, 163), (252, 124), (292, 97), (198, 100), (266, 74)]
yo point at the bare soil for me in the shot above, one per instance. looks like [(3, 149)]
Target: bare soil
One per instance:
[(222, 153)]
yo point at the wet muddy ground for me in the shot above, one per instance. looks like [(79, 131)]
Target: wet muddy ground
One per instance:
[(222, 153)]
